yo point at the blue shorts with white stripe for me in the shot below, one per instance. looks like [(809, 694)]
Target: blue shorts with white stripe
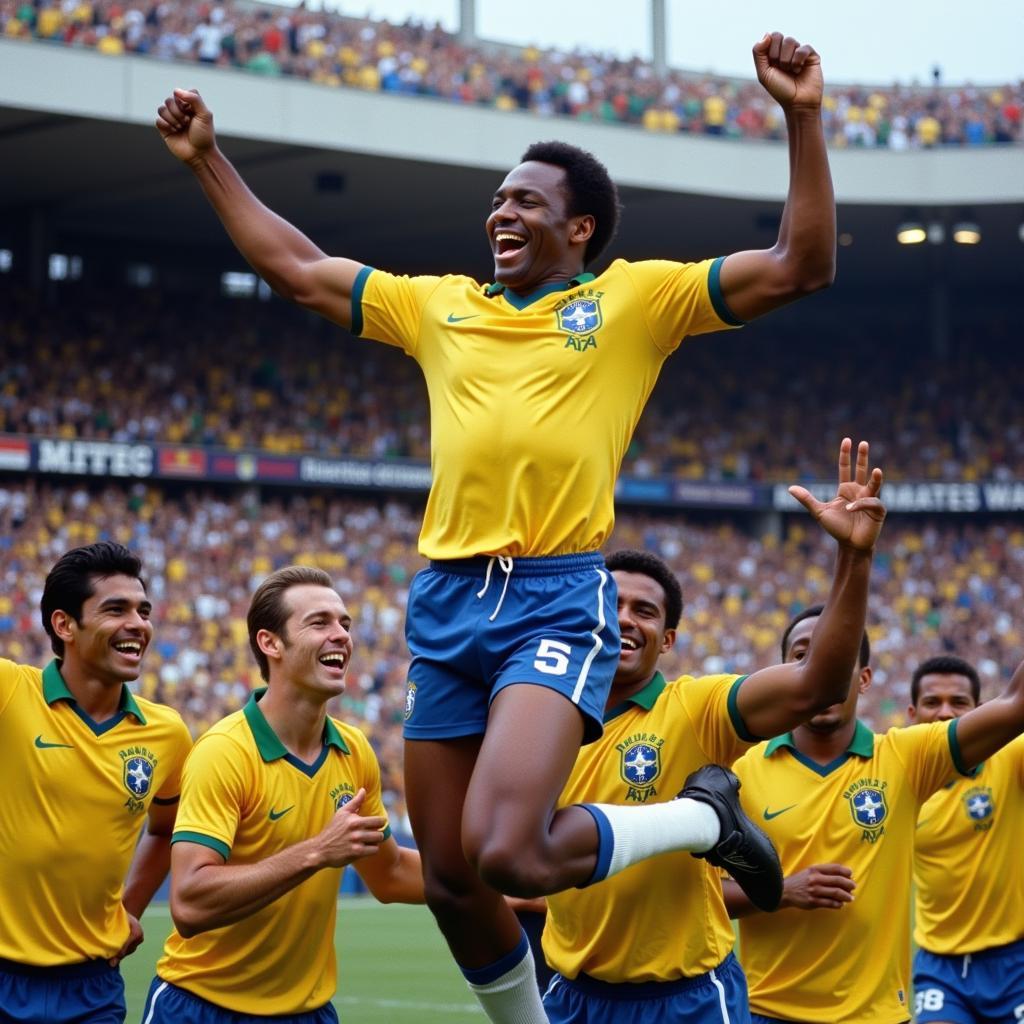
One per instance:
[(718, 997), (477, 625)]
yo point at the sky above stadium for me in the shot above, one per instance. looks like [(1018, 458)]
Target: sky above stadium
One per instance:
[(867, 41)]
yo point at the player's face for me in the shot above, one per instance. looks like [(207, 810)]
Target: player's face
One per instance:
[(941, 697), (316, 647), (114, 633), (642, 625), (838, 715), (529, 229)]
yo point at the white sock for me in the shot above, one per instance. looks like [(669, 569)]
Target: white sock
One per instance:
[(627, 835), (512, 997)]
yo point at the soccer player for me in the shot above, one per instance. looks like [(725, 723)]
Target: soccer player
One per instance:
[(277, 798), (833, 793), (536, 382), (968, 882), (85, 764), (654, 943)]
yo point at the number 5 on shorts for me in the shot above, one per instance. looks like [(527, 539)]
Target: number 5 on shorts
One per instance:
[(552, 657)]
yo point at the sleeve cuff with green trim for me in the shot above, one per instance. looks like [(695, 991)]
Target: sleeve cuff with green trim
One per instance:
[(721, 307), (955, 752), (357, 300), (736, 718), (387, 831), (197, 837)]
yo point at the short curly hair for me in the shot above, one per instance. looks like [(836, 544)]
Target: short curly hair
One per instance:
[(645, 563), (945, 665), (589, 187), (813, 612)]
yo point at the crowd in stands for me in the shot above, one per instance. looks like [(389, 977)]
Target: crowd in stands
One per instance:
[(415, 59), (937, 588), (287, 382)]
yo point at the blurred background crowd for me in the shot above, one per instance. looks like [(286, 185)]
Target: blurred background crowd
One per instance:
[(938, 587), (291, 383), (416, 59)]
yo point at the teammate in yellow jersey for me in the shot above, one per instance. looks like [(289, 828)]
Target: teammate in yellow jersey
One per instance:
[(84, 764), (536, 383), (843, 802), (277, 799), (968, 882)]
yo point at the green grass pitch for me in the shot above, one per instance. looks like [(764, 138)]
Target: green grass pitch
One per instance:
[(393, 966)]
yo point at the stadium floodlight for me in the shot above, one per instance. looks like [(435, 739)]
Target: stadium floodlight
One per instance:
[(966, 233), (936, 232), (911, 233)]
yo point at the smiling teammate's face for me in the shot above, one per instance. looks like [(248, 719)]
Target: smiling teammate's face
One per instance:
[(533, 239)]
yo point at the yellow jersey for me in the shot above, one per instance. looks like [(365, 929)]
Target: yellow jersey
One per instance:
[(851, 965), (967, 865), (245, 796), (534, 400), (664, 918), (74, 795)]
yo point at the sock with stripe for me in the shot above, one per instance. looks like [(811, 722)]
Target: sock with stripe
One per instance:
[(507, 989), (627, 835)]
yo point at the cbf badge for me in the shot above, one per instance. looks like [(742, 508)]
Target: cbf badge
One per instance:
[(640, 766), (869, 810), (138, 777), (410, 701), (980, 807), (580, 317)]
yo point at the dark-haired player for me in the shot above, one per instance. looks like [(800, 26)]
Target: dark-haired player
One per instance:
[(968, 882), (536, 382), (85, 763)]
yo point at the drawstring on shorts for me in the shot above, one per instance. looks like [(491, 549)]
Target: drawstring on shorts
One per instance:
[(967, 965), (505, 562)]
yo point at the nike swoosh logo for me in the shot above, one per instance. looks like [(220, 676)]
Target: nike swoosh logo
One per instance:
[(453, 319), (274, 815), (43, 745), (768, 815)]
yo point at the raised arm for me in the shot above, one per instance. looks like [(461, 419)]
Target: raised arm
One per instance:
[(774, 700), (281, 254), (803, 259), (207, 892), (989, 727)]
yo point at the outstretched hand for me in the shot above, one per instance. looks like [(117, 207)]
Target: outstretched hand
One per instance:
[(186, 124), (855, 515), (791, 72)]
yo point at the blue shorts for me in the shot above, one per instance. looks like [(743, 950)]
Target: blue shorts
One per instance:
[(168, 1004), (718, 997), (85, 993), (474, 628), (983, 986)]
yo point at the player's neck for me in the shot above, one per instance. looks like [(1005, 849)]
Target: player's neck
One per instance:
[(297, 719), (100, 699), (557, 276), (824, 747)]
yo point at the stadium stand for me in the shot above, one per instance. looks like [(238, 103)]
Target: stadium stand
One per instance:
[(415, 59)]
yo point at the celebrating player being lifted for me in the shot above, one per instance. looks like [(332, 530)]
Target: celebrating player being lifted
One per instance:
[(536, 382)]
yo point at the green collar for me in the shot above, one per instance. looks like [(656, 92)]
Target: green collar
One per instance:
[(522, 301), (267, 743), (54, 688), (644, 698), (862, 744)]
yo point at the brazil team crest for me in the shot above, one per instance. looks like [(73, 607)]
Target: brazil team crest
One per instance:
[(580, 317), (641, 764), (137, 767), (979, 806), (869, 808)]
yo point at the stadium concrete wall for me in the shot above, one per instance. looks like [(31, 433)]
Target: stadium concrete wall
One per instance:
[(54, 79)]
